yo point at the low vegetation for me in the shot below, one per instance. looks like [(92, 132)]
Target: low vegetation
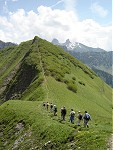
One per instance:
[(72, 87), (43, 72)]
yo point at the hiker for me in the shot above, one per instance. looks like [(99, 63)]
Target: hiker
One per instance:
[(86, 118), (80, 117), (55, 110), (47, 105), (64, 111), (61, 114), (44, 104), (51, 107), (72, 115)]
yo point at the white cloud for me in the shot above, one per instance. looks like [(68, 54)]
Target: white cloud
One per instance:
[(14, 0), (99, 10), (70, 5), (49, 24)]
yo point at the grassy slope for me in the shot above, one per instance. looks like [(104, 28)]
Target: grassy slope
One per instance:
[(11, 56), (38, 126), (10, 61), (95, 97)]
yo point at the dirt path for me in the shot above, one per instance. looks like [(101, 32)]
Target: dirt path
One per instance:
[(111, 143)]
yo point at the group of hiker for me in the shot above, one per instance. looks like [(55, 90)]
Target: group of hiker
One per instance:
[(53, 108)]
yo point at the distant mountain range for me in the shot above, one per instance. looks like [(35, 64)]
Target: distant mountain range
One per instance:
[(97, 59), (6, 44), (78, 47)]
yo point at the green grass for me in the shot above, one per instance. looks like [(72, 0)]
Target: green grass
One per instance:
[(37, 121), (10, 59), (43, 74), (40, 126)]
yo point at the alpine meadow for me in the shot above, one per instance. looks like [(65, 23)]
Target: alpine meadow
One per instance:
[(37, 71)]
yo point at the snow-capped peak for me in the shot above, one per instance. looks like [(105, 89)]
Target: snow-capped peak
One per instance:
[(69, 45)]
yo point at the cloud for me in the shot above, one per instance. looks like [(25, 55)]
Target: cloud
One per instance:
[(99, 10), (70, 5), (51, 23)]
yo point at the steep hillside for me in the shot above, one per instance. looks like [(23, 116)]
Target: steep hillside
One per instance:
[(39, 58), (97, 59), (108, 78), (37, 71), (10, 62), (98, 62)]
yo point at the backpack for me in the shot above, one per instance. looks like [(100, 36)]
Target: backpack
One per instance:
[(72, 113), (64, 111), (51, 106), (80, 116), (87, 117), (55, 109)]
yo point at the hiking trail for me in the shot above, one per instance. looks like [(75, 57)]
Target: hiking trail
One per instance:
[(110, 143), (43, 72)]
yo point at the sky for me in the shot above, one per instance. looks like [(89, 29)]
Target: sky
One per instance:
[(85, 21)]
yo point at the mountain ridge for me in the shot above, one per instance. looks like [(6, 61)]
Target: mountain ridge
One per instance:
[(27, 59), (76, 46), (36, 71)]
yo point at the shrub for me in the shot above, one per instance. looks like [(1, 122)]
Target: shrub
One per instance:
[(68, 72), (40, 80), (73, 78), (91, 77), (82, 83), (47, 73), (66, 81), (52, 74), (72, 87), (59, 78), (112, 106)]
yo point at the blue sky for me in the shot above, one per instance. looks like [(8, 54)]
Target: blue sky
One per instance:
[(85, 21)]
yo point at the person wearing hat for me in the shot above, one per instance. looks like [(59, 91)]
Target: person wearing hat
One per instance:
[(72, 115), (80, 117)]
